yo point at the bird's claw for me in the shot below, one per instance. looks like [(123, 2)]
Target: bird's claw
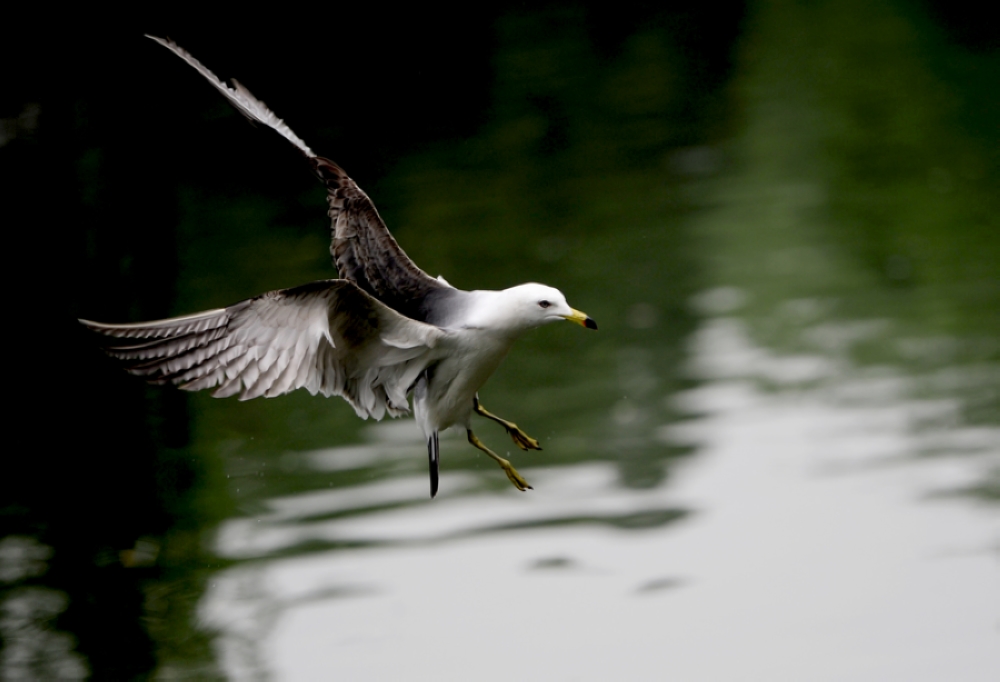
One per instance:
[(521, 439), (515, 478), (508, 468)]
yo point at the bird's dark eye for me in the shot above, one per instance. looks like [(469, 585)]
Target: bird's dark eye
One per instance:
[(544, 304)]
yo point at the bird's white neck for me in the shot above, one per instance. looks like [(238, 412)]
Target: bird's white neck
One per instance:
[(498, 312)]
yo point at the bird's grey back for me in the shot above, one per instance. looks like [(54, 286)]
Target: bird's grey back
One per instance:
[(445, 307)]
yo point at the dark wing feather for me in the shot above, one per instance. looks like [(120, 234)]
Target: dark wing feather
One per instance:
[(363, 250), (328, 337)]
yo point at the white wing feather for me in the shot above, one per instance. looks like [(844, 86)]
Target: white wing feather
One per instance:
[(239, 97), (327, 337)]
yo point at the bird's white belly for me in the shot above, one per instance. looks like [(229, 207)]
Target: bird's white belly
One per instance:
[(471, 358)]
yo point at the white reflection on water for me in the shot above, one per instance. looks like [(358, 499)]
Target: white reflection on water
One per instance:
[(813, 553), (33, 648)]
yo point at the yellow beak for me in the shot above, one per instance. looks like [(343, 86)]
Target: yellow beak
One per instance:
[(581, 319)]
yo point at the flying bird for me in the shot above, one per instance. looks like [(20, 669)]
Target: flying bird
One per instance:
[(382, 332)]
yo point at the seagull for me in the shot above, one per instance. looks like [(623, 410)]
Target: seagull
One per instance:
[(384, 331)]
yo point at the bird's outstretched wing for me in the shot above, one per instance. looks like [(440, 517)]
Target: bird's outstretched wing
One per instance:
[(366, 253), (328, 337), (363, 249)]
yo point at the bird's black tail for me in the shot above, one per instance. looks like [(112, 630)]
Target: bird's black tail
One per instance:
[(434, 456)]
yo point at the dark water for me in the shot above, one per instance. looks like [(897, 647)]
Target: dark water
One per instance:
[(782, 444)]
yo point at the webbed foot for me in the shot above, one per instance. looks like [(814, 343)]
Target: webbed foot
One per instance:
[(515, 478), (508, 468), (520, 438)]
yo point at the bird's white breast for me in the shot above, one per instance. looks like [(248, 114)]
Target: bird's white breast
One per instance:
[(473, 355)]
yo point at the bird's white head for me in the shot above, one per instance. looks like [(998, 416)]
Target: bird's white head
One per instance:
[(527, 306)]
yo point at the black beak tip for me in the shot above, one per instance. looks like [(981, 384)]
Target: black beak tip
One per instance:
[(589, 323)]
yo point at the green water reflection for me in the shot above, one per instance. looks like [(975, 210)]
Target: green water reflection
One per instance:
[(864, 191), (835, 192)]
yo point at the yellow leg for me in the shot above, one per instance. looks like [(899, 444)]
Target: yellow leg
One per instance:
[(520, 438), (507, 467)]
